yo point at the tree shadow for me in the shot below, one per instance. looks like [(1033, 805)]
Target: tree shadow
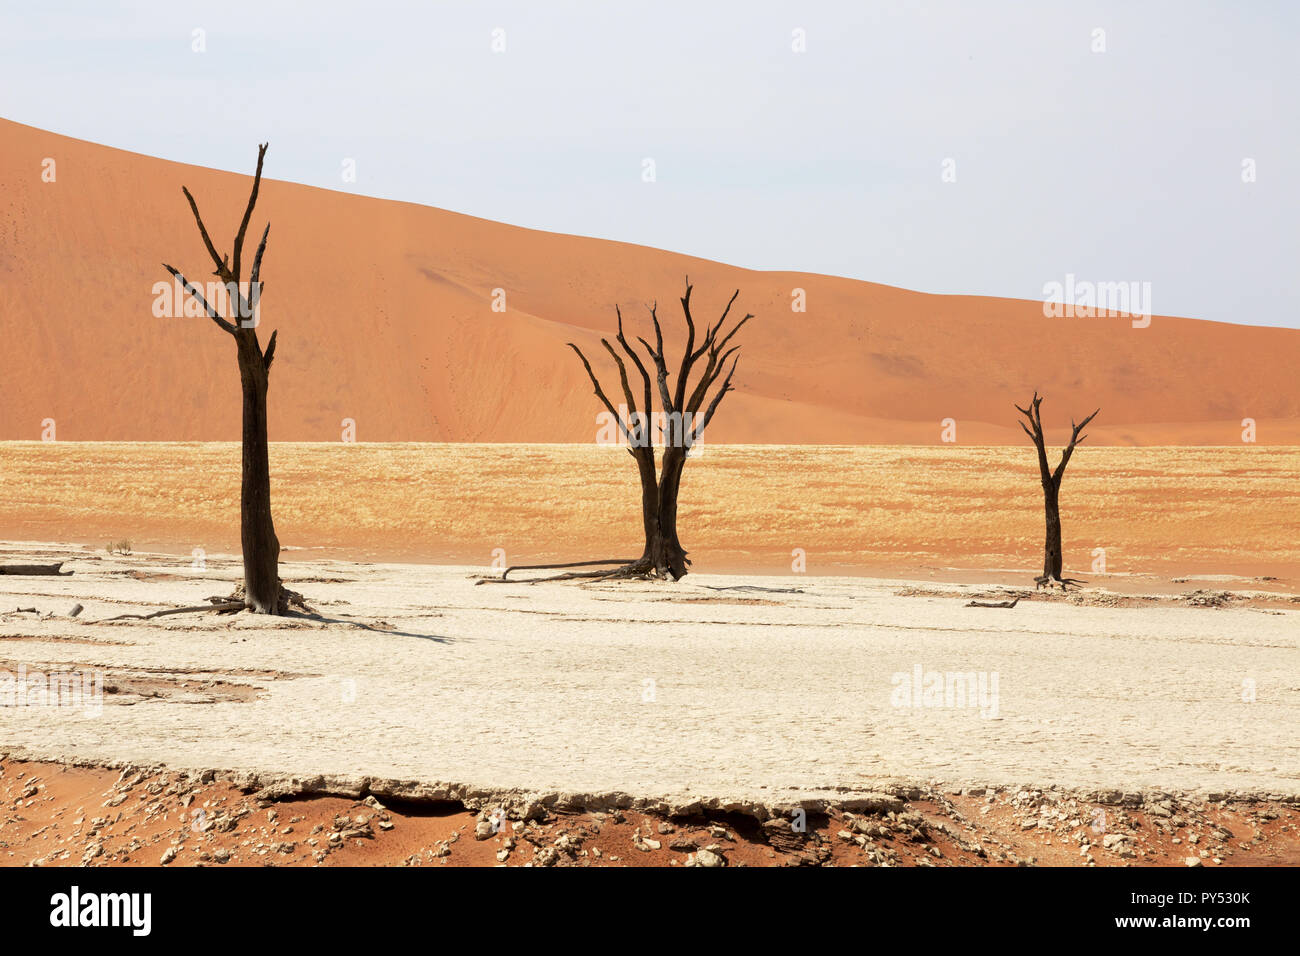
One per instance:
[(363, 626)]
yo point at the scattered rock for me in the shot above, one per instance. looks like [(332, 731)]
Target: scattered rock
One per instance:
[(706, 857)]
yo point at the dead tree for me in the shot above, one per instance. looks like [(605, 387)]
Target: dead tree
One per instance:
[(262, 593), (686, 409), (1051, 479)]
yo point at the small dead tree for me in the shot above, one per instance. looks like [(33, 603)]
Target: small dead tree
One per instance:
[(686, 410), (1052, 563), (263, 593)]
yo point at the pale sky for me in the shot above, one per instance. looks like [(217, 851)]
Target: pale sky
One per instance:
[(1121, 165)]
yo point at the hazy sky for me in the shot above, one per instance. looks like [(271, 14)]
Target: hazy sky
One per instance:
[(1122, 165)]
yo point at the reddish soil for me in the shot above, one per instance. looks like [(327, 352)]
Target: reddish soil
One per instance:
[(54, 815)]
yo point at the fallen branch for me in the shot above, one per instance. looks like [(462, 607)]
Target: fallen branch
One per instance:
[(504, 579), (192, 609), (754, 587), (28, 569), (994, 603)]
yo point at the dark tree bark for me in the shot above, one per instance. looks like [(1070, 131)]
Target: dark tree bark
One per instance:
[(1051, 479), (687, 410), (263, 593), (27, 569)]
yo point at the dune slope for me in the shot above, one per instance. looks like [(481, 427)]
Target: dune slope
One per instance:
[(385, 316)]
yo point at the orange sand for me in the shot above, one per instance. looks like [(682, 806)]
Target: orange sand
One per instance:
[(384, 312), (885, 510)]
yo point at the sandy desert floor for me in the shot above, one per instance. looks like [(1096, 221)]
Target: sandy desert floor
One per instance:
[(729, 700), (1165, 691), (887, 511)]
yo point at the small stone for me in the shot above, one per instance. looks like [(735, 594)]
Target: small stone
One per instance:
[(707, 858), (546, 856)]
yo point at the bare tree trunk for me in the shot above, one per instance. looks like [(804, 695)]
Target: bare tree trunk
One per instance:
[(645, 463), (257, 530), (668, 554), (1052, 542)]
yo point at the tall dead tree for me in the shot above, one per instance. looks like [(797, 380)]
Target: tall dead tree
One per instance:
[(263, 593), (685, 411), (1052, 563)]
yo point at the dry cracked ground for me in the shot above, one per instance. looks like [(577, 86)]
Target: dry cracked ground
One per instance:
[(422, 718)]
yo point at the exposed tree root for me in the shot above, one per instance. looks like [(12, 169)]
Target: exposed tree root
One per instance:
[(285, 601), (1047, 580), (231, 604), (754, 587)]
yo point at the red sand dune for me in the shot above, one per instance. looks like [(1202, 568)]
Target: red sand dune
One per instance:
[(384, 312)]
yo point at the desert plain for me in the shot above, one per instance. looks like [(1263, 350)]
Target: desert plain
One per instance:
[(783, 675)]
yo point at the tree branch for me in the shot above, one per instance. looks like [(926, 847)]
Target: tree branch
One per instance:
[(269, 354), (1035, 417), (256, 274), (1075, 438), (212, 313), (248, 213), (600, 393), (688, 359), (661, 366), (645, 376), (221, 269), (627, 395), (717, 400)]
